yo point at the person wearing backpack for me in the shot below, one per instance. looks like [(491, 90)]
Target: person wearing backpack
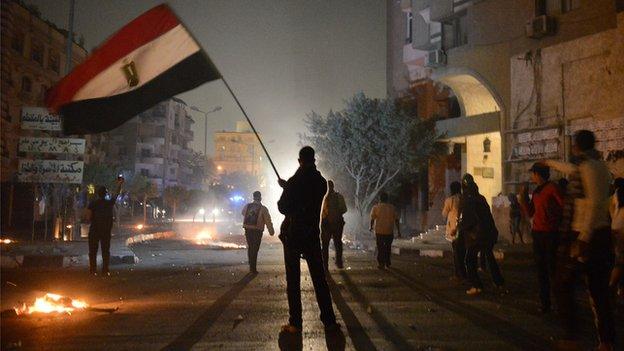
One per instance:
[(255, 217), (332, 224)]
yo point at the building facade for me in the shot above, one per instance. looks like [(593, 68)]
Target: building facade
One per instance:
[(238, 151), (525, 73), (155, 144), (33, 55)]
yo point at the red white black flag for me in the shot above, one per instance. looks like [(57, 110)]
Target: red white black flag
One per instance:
[(149, 60)]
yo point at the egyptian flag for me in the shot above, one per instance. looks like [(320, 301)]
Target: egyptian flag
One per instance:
[(149, 60)]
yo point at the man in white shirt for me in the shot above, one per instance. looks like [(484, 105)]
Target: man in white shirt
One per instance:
[(255, 217), (585, 247), (383, 219)]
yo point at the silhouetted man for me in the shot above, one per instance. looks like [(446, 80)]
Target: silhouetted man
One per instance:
[(301, 204), (332, 224), (100, 214), (255, 217)]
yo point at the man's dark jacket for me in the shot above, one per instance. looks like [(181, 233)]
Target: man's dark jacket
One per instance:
[(301, 201)]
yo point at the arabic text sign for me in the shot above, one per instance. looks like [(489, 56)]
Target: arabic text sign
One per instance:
[(52, 145), (50, 171), (39, 118)]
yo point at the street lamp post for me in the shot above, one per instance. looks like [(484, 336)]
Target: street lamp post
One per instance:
[(217, 108)]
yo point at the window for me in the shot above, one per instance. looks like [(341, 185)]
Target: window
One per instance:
[(408, 34), (455, 32), (26, 85), (42, 93), (569, 5), (36, 54), (487, 145), (17, 42), (54, 62), (146, 153)]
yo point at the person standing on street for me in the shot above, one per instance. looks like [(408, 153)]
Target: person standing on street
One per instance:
[(480, 234), (545, 208), (255, 217), (332, 224), (384, 218), (515, 218), (586, 244), (301, 203), (100, 214), (451, 213)]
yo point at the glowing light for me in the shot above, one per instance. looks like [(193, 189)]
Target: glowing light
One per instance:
[(52, 303), (201, 211), (203, 237), (215, 211), (69, 226), (237, 198), (6, 241), (219, 168), (91, 189), (139, 226)]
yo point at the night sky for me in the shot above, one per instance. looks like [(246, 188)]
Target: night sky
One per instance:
[(283, 58)]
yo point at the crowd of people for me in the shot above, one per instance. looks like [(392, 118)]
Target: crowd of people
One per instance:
[(577, 231)]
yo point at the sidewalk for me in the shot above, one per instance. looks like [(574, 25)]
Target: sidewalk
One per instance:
[(54, 254), (433, 244)]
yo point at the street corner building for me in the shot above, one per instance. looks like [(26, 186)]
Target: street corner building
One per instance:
[(150, 59)]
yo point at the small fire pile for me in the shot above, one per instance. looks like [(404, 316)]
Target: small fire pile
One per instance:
[(52, 303), (205, 238)]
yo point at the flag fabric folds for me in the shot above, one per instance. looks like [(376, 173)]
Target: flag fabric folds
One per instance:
[(149, 60)]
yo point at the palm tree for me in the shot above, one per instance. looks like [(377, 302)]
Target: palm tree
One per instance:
[(174, 195), (143, 188)]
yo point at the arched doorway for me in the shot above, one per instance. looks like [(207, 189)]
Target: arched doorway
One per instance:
[(477, 130)]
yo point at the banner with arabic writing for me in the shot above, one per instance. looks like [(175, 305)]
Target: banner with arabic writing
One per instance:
[(39, 118), (52, 145), (50, 171)]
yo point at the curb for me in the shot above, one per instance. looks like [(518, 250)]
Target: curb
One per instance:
[(433, 253)]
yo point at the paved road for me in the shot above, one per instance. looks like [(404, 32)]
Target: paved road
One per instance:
[(181, 297)]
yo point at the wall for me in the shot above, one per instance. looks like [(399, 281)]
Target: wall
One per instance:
[(488, 187), (579, 79)]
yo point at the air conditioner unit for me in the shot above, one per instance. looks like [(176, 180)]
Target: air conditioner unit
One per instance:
[(541, 26), (435, 58)]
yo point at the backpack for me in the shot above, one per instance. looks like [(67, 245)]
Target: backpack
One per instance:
[(252, 213)]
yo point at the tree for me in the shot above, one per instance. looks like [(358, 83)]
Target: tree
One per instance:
[(99, 174), (174, 196), (143, 188), (372, 142)]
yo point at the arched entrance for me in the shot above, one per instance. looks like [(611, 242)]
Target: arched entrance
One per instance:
[(477, 130)]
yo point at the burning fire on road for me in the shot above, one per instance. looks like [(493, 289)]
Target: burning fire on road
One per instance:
[(57, 304), (205, 238), (52, 303)]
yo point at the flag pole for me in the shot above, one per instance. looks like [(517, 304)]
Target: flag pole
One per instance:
[(252, 127)]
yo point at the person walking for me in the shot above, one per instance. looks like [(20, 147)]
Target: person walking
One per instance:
[(332, 224), (384, 218), (515, 218), (545, 207), (451, 213), (586, 245), (301, 202), (255, 217), (480, 234), (100, 214)]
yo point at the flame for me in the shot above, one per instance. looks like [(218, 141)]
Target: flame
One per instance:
[(203, 237), (52, 303)]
